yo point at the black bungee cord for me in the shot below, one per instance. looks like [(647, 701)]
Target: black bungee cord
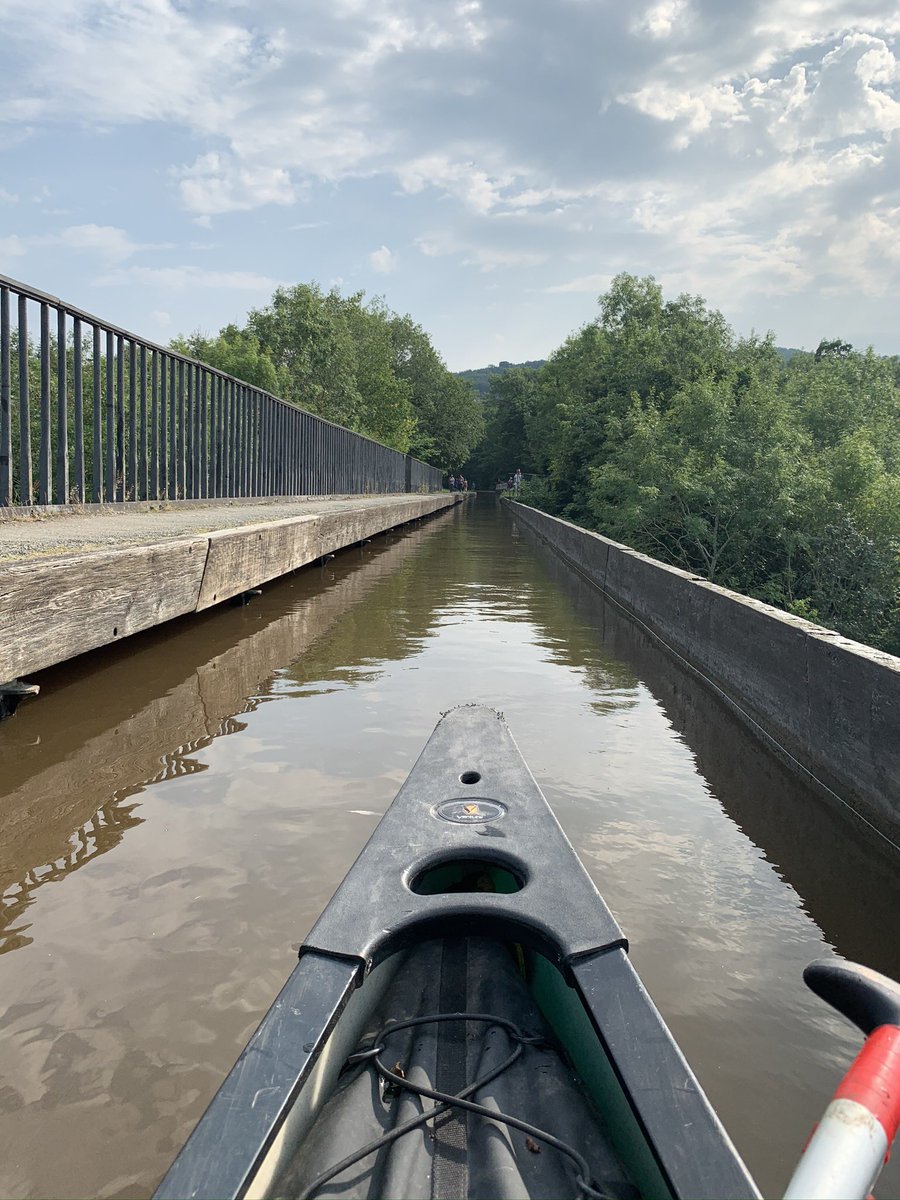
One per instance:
[(446, 1101)]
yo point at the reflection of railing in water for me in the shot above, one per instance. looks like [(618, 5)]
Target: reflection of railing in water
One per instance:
[(206, 697), (104, 830)]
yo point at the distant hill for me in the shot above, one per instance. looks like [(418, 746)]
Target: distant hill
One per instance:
[(480, 377)]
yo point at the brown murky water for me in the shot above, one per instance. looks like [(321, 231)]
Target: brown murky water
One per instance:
[(177, 810)]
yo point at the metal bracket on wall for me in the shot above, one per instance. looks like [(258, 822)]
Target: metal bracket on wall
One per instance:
[(12, 694), (244, 598)]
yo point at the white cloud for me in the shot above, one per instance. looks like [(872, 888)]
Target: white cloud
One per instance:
[(383, 261), (705, 142), (660, 19), (107, 243), (486, 257), (103, 241), (159, 61), (12, 247), (476, 188), (490, 258), (594, 284), (215, 183), (178, 278), (8, 197)]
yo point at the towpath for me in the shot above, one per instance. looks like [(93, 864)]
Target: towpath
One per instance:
[(33, 533), (70, 583)]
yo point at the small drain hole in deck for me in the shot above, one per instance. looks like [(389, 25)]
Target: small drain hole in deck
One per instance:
[(466, 875), (470, 777)]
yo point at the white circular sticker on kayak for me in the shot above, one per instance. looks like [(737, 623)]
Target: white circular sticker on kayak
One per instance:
[(470, 811)]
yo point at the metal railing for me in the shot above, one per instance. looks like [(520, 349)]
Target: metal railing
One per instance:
[(94, 413)]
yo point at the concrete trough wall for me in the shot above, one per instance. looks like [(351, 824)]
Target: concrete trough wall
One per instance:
[(52, 609), (831, 703)]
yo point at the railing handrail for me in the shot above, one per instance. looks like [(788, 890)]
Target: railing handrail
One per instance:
[(71, 310)]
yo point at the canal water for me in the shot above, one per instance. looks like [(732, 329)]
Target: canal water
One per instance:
[(177, 810)]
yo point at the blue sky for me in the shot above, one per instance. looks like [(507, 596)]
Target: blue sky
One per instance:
[(486, 166)]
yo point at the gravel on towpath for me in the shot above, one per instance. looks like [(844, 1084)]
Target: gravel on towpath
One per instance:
[(35, 534)]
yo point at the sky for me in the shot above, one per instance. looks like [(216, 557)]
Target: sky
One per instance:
[(485, 165)]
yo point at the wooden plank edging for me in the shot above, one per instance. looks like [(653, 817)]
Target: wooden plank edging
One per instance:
[(52, 609)]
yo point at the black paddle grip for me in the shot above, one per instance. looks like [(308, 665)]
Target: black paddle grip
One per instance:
[(859, 993)]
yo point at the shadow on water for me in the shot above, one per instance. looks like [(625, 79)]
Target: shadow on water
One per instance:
[(112, 724), (824, 852)]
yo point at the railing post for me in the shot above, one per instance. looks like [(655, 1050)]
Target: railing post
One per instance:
[(241, 434), (97, 415), (200, 444), (261, 443), (110, 416), (295, 452), (78, 401), (215, 383), (62, 410), (44, 484), (181, 484), (254, 464), (227, 418), (6, 480), (120, 418), (173, 431), (153, 484), (25, 479), (131, 488), (163, 492), (190, 482), (142, 419)]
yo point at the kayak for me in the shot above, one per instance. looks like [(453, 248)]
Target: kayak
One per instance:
[(463, 1021)]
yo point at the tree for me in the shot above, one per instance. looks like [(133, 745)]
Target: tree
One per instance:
[(303, 331), (508, 407), (236, 352), (386, 411), (449, 420), (781, 480)]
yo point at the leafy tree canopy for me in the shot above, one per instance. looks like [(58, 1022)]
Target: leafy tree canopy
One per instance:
[(354, 362), (775, 475)]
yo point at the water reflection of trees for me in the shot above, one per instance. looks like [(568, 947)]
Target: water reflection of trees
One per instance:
[(846, 878)]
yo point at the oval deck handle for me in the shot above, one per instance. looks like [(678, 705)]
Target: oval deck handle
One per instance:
[(859, 993)]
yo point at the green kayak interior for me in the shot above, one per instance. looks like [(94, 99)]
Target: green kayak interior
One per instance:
[(560, 1082)]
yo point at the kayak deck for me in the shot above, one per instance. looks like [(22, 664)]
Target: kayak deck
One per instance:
[(458, 1153), (469, 854)]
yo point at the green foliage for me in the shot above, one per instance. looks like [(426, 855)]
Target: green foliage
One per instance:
[(480, 377), (236, 352), (775, 475), (353, 362), (508, 410), (449, 420)]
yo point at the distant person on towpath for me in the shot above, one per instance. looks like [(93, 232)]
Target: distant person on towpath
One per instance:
[(517, 478)]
